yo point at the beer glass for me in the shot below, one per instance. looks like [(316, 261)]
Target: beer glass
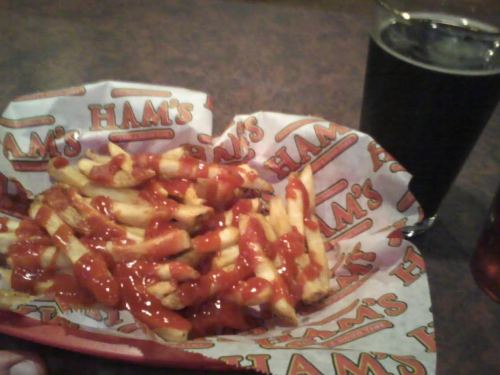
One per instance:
[(432, 83)]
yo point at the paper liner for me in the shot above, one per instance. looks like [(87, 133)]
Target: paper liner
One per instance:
[(379, 317)]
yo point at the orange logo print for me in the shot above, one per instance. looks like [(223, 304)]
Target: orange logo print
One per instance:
[(367, 364), (405, 202), (246, 131), (109, 317), (260, 362), (103, 116), (345, 225), (396, 236), (70, 91), (39, 151), (45, 314), (409, 365), (27, 122), (355, 266), (299, 365), (380, 157), (411, 268), (319, 153), (353, 323), (425, 336)]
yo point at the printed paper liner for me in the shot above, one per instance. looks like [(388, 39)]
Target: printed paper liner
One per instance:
[(379, 317)]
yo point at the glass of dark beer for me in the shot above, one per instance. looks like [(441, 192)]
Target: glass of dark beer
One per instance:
[(432, 83)]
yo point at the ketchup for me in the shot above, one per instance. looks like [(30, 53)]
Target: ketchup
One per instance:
[(104, 205), (3, 224), (60, 162), (242, 206), (133, 278), (200, 289), (105, 173), (29, 228), (208, 242), (25, 256), (192, 168), (67, 291), (213, 316), (251, 288), (295, 184), (146, 161), (176, 187), (157, 227), (92, 272)]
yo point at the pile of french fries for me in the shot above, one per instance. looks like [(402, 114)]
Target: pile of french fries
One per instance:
[(169, 233)]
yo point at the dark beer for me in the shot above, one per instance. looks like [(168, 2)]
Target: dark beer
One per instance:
[(431, 85)]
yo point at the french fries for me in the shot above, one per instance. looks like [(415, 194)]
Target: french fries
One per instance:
[(170, 238)]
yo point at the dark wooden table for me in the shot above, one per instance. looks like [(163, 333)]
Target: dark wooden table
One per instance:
[(289, 56)]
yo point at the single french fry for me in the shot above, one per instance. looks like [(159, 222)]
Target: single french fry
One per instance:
[(225, 257), (50, 258), (215, 240), (193, 168), (315, 244), (191, 197), (188, 214), (41, 287), (175, 154), (120, 179), (176, 270), (317, 253), (98, 158), (251, 292), (251, 179), (140, 215), (172, 334), (242, 206), (295, 202), (66, 174), (170, 243), (5, 276), (161, 289), (278, 216), (6, 239), (10, 299), (266, 226), (191, 257), (10, 225), (115, 150), (120, 195), (307, 179), (72, 217), (135, 231)]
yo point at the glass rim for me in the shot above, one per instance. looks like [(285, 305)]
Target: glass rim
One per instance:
[(406, 18)]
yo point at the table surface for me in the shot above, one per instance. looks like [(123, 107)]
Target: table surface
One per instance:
[(287, 56)]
